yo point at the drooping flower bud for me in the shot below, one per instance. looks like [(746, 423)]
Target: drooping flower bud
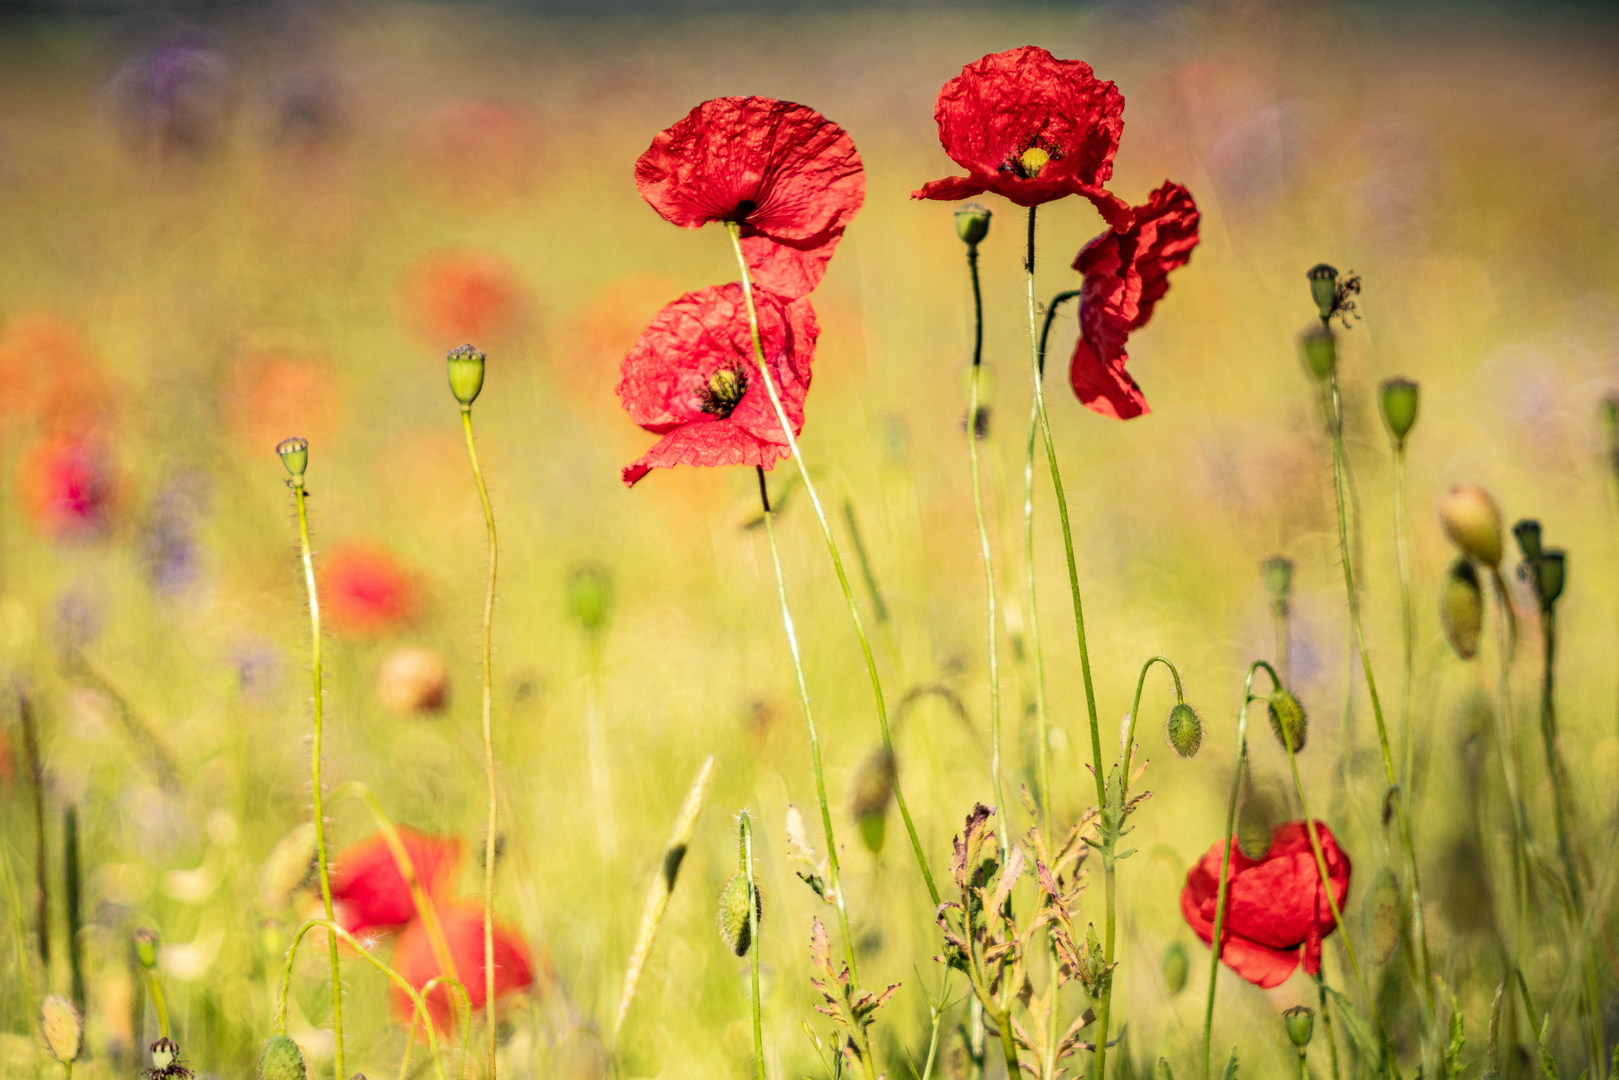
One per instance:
[(466, 374), (280, 1059), (294, 454), (62, 1028), (1184, 730), (1277, 572), (1177, 966), (1261, 812), (1320, 351), (1323, 288), (972, 223), (590, 596), (1300, 1024), (735, 926), (1461, 608), (1473, 522), (1397, 399), (1288, 719), (1383, 916), (145, 941), (872, 791)]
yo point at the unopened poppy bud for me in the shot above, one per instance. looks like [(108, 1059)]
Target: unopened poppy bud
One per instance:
[(1261, 811), (1288, 720), (1320, 352), (1177, 966), (873, 790), (1383, 916), (145, 940), (1461, 608), (294, 454), (735, 926), (590, 596), (280, 1059), (413, 681), (1397, 399), (165, 1052), (972, 223), (466, 374), (1300, 1024), (1184, 730), (1473, 522), (1277, 572), (1323, 288), (62, 1028)]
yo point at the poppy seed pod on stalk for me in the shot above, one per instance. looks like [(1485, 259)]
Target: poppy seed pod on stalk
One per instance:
[(1471, 519), (1323, 288), (972, 223), (590, 596), (1300, 1024), (1461, 608), (1320, 351), (294, 453), (1177, 966), (145, 940), (165, 1054), (466, 374), (1277, 572), (873, 792), (1397, 400)]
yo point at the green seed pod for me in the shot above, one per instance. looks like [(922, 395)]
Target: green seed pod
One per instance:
[(290, 866), (1300, 1024), (1397, 399), (145, 941), (734, 924), (1473, 522), (972, 223), (1323, 288), (164, 1054), (1261, 812), (590, 596), (1461, 608), (1177, 966), (1184, 730), (1382, 914), (294, 454), (280, 1059), (466, 374), (1288, 720), (872, 793), (1527, 533), (1550, 573), (1277, 572), (1320, 352), (62, 1028)]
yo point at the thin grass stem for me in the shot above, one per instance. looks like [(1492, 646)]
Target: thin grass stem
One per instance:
[(745, 832)]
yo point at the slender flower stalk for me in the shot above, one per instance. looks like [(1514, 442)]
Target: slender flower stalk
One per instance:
[(294, 455), (145, 942), (745, 839), (734, 231), (36, 793)]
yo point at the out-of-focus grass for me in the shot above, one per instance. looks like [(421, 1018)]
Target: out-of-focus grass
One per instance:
[(1467, 169)]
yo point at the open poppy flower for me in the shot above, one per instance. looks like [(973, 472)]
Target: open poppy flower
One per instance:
[(1126, 273), (463, 932), (692, 379), (1276, 911), (67, 487), (366, 590), (1031, 128), (789, 176), (370, 893)]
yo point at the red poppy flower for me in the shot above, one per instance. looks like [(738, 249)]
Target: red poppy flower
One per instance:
[(1275, 906), (463, 932), (1032, 128), (457, 296), (271, 394), (366, 591), (789, 176), (67, 487), (692, 379), (1126, 273), (369, 891)]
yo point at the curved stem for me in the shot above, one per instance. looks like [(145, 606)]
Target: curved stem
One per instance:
[(753, 937), (1135, 711), (832, 549), (154, 990), (322, 863), (488, 748)]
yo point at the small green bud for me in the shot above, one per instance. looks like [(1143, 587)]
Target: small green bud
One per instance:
[(590, 596), (1382, 914), (1549, 575), (1461, 608), (1527, 532), (1473, 522), (1277, 572), (1184, 730), (1177, 966), (295, 456), (1323, 288), (734, 924), (466, 374), (1398, 400), (164, 1053), (873, 790), (1288, 720), (62, 1028), (1261, 812), (1300, 1024), (280, 1059), (972, 223), (1320, 352), (145, 940)]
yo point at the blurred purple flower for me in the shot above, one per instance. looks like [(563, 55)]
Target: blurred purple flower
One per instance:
[(168, 542), (171, 98), (76, 619), (258, 669)]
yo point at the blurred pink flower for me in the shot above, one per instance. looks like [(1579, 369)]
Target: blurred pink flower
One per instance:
[(67, 486), (366, 591), (462, 296)]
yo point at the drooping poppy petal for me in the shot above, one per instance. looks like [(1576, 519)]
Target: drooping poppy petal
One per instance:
[(370, 893), (692, 378), (413, 958), (789, 176), (1032, 128), (1276, 910), (366, 591), (1126, 274)]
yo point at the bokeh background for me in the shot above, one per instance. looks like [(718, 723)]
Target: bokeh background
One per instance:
[(222, 227)]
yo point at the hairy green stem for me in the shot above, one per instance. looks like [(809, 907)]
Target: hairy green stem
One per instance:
[(745, 833)]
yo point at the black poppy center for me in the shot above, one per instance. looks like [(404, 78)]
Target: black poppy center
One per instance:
[(722, 393), (743, 209)]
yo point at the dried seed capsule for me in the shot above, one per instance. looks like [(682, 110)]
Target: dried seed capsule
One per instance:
[(1473, 522), (62, 1028), (294, 454), (734, 924), (1461, 608), (873, 791), (1177, 966), (280, 1059), (1288, 720), (1397, 400), (1184, 730), (972, 223), (1300, 1024), (1323, 288), (466, 374), (1383, 916)]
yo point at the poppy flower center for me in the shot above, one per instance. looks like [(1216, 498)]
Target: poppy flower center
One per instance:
[(743, 209), (1034, 157), (724, 392)]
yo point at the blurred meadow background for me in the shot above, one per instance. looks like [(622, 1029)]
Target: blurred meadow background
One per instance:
[(220, 230)]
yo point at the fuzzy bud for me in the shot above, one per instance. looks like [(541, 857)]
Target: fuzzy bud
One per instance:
[(1397, 400), (280, 1059), (1473, 522), (972, 223), (290, 866), (294, 453), (164, 1053), (1461, 608), (590, 596), (735, 927), (466, 374), (1277, 572), (1177, 966), (413, 681), (1300, 1024), (1261, 812), (1383, 916), (62, 1028), (873, 790), (1323, 288), (1320, 352), (1288, 720), (145, 941), (1184, 730)]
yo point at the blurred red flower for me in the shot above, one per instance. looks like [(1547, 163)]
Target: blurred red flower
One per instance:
[(1032, 128), (463, 932), (789, 176), (369, 891), (692, 379), (272, 395), (366, 590), (1126, 273), (453, 297), (1275, 906), (50, 376), (67, 486)]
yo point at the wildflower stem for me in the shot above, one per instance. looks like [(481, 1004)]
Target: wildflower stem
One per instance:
[(1402, 549), (1326, 1021), (154, 990), (488, 748), (837, 561), (1135, 710), (1326, 877), (745, 831), (314, 758)]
